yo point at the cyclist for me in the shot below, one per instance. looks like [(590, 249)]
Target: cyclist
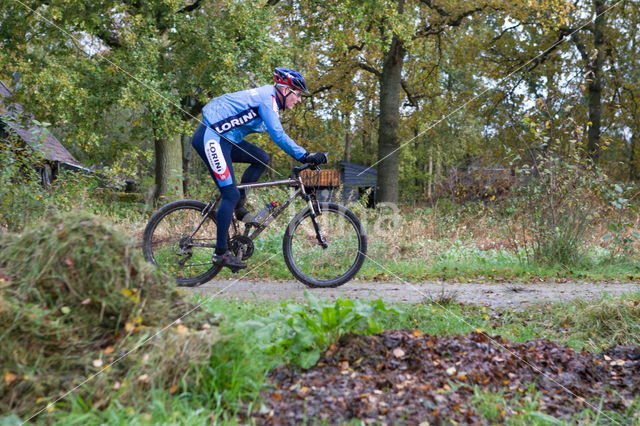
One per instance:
[(219, 140)]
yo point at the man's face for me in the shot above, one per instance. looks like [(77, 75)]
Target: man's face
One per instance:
[(292, 99)]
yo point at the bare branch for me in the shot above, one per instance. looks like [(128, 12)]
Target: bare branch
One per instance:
[(431, 5), (369, 68), (193, 6), (504, 31), (322, 89)]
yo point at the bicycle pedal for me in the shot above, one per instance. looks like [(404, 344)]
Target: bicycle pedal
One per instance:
[(235, 270)]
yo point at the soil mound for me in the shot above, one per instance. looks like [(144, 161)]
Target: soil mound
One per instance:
[(75, 294), (406, 377)]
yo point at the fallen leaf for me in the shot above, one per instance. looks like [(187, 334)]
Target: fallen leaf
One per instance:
[(97, 363), (144, 378), (108, 350), (65, 310), (86, 301), (9, 378), (398, 353), (181, 329), (173, 389)]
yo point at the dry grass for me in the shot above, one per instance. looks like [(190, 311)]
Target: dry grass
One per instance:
[(75, 295)]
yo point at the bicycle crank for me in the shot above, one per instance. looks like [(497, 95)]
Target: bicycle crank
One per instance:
[(241, 246)]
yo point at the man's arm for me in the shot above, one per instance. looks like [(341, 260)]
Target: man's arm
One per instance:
[(277, 133)]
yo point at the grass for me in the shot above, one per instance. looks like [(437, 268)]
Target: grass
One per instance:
[(457, 243), (470, 264), (237, 370)]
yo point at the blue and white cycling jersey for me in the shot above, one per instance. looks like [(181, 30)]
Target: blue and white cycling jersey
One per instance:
[(236, 115)]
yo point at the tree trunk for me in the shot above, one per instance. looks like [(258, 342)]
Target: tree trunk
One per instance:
[(168, 168), (347, 137), (186, 163), (388, 143), (430, 181), (633, 166), (594, 70), (418, 164)]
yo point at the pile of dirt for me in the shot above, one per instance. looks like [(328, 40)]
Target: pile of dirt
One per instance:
[(75, 295), (404, 376)]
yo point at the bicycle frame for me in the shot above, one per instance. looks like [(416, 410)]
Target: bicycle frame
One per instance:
[(295, 181)]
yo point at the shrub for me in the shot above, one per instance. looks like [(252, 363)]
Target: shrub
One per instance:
[(556, 202), (22, 197)]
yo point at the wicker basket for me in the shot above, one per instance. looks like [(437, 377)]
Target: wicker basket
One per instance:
[(327, 177)]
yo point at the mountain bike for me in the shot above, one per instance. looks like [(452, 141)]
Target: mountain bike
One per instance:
[(324, 245)]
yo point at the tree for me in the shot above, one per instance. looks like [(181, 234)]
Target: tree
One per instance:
[(148, 58), (377, 37)]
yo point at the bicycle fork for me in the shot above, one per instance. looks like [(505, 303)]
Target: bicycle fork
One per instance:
[(315, 212)]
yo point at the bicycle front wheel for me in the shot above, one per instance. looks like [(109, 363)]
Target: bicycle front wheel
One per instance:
[(179, 242), (334, 260)]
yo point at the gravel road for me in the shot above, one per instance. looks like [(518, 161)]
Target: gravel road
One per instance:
[(509, 294)]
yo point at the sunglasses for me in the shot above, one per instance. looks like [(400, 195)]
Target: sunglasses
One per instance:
[(298, 93)]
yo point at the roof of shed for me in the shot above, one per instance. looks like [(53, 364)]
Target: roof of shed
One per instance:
[(37, 137)]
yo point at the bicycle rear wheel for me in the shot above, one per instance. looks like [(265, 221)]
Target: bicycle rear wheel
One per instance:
[(331, 266), (173, 242)]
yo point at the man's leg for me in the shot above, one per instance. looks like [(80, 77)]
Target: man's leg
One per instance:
[(216, 153), (246, 152)]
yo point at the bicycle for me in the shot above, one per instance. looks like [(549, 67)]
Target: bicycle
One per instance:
[(324, 245)]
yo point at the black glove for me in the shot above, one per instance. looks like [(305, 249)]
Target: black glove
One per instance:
[(315, 158)]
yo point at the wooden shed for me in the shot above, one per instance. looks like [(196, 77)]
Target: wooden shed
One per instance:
[(356, 180), (13, 118)]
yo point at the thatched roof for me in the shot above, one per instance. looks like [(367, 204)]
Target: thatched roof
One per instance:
[(37, 137)]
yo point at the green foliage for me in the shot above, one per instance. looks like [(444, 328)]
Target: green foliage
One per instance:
[(21, 196), (302, 332)]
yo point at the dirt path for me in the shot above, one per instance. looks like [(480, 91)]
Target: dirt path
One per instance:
[(496, 295)]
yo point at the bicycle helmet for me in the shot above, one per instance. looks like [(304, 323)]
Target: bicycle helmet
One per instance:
[(290, 78)]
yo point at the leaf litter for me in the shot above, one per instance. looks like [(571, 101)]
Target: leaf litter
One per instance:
[(401, 376)]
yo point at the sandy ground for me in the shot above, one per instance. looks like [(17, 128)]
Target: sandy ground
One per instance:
[(510, 294)]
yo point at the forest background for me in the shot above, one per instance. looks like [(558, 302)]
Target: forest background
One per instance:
[(412, 88)]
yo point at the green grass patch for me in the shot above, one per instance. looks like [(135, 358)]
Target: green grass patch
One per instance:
[(228, 387)]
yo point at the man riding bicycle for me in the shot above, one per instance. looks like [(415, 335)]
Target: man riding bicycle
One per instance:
[(219, 140)]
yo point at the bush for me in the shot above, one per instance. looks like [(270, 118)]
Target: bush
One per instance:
[(22, 197), (556, 202)]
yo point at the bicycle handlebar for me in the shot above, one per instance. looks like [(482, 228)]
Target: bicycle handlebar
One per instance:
[(297, 170)]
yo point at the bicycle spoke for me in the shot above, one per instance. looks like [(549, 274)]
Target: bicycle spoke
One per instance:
[(341, 253), (176, 250)]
